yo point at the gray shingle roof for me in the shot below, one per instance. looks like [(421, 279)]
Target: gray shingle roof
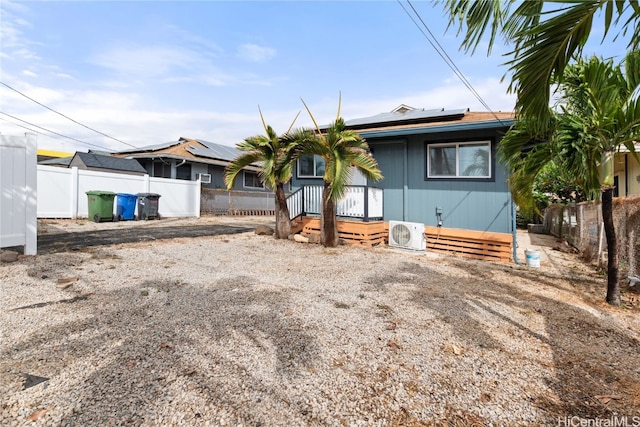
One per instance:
[(93, 160), (60, 161)]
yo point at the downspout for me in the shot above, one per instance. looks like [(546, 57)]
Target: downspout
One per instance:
[(405, 184), (515, 234), (174, 169)]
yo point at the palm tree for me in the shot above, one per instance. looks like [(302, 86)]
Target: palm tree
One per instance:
[(341, 149), (545, 40), (599, 113), (276, 156)]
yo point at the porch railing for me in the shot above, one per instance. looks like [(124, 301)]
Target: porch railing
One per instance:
[(360, 201)]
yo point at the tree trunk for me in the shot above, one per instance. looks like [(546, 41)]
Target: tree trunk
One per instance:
[(283, 222), (613, 286), (329, 226)]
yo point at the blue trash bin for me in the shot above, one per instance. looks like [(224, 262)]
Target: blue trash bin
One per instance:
[(126, 206)]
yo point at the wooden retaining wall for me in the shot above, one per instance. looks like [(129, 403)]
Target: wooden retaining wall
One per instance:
[(471, 244), (480, 245), (352, 232)]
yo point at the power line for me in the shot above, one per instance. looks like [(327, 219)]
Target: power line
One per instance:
[(66, 117), (433, 41), (47, 130)]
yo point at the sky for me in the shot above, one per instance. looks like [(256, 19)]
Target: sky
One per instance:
[(147, 72)]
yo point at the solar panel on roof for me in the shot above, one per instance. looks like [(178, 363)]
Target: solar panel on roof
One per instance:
[(215, 151), (410, 115), (152, 147)]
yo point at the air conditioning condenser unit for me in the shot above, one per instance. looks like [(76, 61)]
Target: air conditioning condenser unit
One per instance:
[(205, 178), (407, 235)]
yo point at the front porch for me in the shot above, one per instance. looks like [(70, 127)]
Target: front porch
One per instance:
[(360, 222), (360, 203)]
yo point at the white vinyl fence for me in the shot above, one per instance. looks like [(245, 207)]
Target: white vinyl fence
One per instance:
[(18, 221), (62, 192)]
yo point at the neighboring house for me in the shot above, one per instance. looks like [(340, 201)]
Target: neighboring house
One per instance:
[(190, 158), (97, 162), (439, 166), (627, 173)]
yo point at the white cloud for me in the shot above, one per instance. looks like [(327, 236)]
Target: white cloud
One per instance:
[(169, 64), (123, 114), (144, 61), (29, 73), (14, 44), (255, 53)]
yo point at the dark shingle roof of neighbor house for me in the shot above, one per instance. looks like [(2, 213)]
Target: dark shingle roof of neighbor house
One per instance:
[(59, 161), (93, 160)]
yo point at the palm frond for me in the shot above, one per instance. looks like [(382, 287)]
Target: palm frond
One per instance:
[(313, 119), (239, 163), (292, 123), (542, 52)]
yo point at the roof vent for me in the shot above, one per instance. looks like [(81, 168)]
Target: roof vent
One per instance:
[(402, 108)]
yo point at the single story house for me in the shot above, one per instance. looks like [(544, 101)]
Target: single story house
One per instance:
[(191, 159), (439, 167)]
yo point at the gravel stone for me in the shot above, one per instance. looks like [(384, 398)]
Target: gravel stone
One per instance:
[(238, 330)]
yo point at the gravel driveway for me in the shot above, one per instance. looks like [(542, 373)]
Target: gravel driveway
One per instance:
[(245, 330)]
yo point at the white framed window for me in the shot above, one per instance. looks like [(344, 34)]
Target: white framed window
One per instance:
[(251, 180), (311, 166), (459, 160)]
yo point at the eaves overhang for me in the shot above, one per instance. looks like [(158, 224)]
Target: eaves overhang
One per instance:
[(160, 156), (458, 127)]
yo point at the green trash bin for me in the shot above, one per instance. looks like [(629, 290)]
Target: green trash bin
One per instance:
[(101, 205)]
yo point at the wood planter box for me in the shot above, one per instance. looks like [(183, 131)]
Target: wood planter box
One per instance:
[(469, 243), (352, 232), (480, 245)]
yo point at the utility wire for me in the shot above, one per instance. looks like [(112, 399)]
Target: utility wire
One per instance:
[(47, 130), (24, 127), (66, 117), (433, 41)]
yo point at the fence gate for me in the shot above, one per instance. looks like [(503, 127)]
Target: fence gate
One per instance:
[(18, 195)]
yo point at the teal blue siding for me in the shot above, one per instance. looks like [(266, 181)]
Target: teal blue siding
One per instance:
[(466, 204), (483, 205), (391, 158)]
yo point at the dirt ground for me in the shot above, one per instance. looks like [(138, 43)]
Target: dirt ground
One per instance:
[(60, 235), (590, 348), (64, 235)]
